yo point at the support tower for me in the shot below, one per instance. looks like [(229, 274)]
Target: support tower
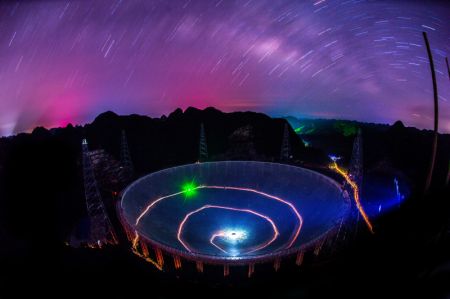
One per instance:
[(203, 149), (356, 162), (356, 174), (285, 153), (125, 157), (101, 231)]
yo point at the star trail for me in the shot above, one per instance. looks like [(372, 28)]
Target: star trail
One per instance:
[(67, 61)]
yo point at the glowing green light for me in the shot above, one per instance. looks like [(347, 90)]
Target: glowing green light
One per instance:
[(299, 129), (345, 128), (189, 189), (305, 129)]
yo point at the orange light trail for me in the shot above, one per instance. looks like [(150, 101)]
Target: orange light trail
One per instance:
[(221, 234), (148, 259), (154, 203), (135, 240), (144, 256), (354, 186)]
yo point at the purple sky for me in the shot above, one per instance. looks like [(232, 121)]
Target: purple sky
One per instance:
[(67, 61)]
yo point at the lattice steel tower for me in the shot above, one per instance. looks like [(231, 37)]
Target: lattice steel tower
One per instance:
[(125, 157), (356, 162), (285, 153), (101, 228), (356, 173), (203, 149)]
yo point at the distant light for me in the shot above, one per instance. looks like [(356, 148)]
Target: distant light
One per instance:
[(334, 158), (7, 129), (299, 129), (397, 191)]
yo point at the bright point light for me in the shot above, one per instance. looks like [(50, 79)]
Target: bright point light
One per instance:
[(233, 236), (189, 189)]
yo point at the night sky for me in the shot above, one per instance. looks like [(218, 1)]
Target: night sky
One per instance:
[(67, 61)]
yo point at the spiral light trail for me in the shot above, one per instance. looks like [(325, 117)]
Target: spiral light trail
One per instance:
[(193, 189)]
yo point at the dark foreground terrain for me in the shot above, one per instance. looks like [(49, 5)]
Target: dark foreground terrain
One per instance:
[(42, 200)]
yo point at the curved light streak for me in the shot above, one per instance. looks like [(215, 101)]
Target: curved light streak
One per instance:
[(297, 214), (291, 206), (186, 218), (211, 240), (145, 257), (154, 203), (354, 186)]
